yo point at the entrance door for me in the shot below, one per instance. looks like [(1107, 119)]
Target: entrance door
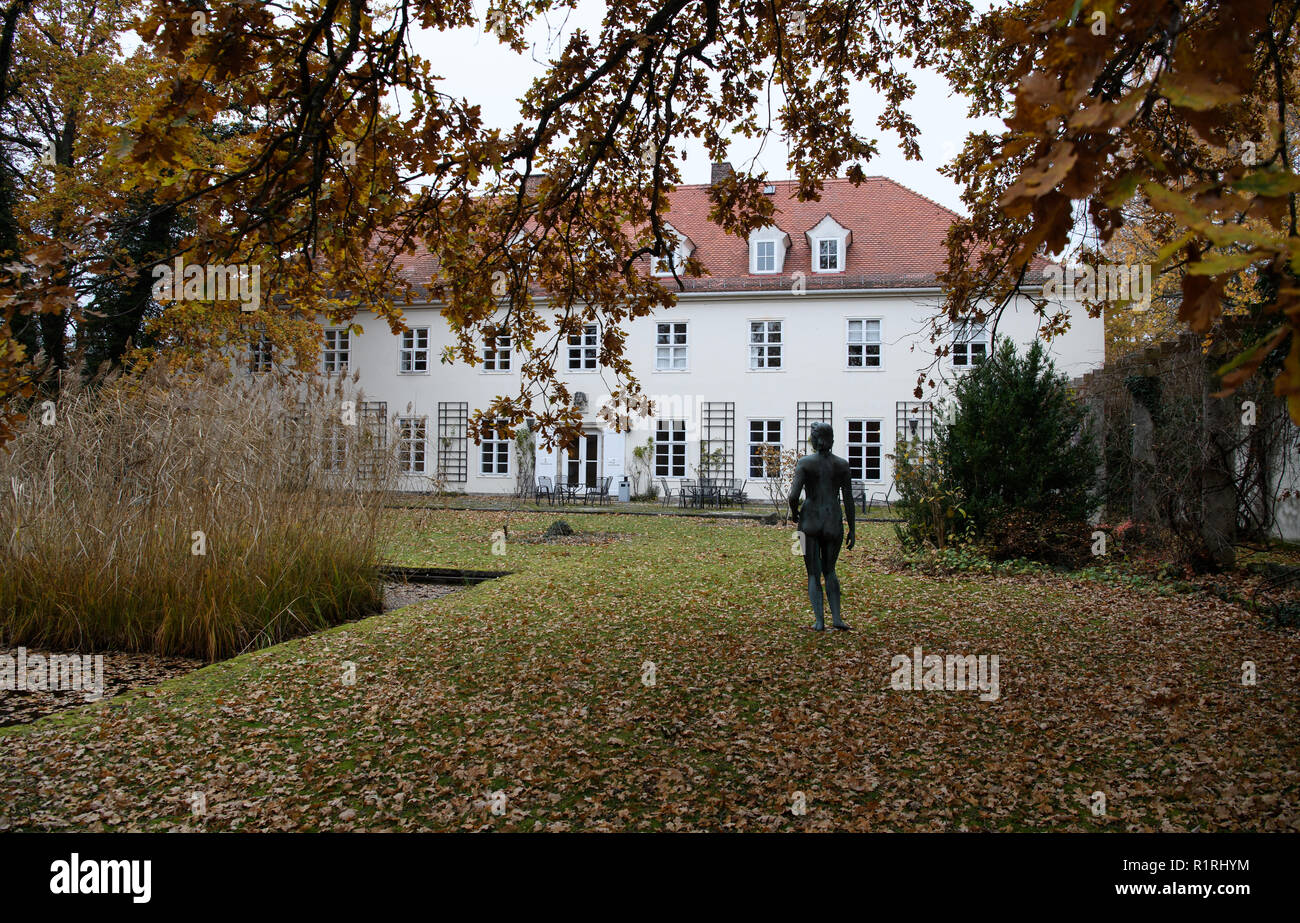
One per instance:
[(582, 460)]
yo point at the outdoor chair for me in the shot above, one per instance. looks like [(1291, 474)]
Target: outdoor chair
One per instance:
[(543, 487), (669, 493), (884, 498), (598, 491)]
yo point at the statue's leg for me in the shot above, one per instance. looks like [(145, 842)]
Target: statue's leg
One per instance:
[(829, 555), (812, 561)]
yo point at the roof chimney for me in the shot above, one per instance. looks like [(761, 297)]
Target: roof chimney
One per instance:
[(532, 182), (719, 171)]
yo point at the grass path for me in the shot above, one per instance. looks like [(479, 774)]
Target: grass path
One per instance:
[(531, 685)]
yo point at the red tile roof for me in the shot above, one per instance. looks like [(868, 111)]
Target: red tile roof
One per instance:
[(898, 239)]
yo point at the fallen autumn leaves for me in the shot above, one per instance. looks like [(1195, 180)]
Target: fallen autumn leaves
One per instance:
[(531, 686)]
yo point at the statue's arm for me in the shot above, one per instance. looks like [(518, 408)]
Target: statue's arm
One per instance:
[(796, 488), (846, 494)]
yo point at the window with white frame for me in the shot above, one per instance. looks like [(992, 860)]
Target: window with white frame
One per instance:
[(670, 448), (864, 343), (828, 254), (676, 257), (673, 261), (670, 347), (260, 354), (497, 352), (768, 247), (970, 344), (412, 440), (763, 433), (494, 453), (864, 450), (415, 351), (583, 350), (337, 354), (765, 344)]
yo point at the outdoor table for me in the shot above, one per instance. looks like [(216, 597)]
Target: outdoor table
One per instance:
[(699, 494)]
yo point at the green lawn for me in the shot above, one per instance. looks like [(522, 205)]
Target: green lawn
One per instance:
[(531, 685)]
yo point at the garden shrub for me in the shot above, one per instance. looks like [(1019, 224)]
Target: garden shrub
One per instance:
[(1017, 439), (928, 504)]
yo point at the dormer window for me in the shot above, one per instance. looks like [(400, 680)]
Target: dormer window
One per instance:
[(767, 250), (677, 257), (828, 243), (828, 254)]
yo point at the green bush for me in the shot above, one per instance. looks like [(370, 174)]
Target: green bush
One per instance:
[(1018, 440)]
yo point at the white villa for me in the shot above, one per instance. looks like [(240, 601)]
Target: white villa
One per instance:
[(821, 316)]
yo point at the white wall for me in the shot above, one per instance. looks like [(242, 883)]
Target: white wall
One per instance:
[(814, 369)]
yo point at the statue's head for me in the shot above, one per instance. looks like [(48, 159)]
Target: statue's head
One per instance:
[(821, 437)]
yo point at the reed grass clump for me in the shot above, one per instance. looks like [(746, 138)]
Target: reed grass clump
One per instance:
[(198, 513)]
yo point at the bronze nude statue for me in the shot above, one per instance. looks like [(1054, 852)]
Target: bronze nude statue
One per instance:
[(824, 478)]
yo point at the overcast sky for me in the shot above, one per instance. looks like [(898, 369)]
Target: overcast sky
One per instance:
[(479, 68)]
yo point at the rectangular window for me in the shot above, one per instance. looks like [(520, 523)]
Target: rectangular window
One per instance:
[(415, 351), (970, 344), (582, 350), (864, 450), (828, 254), (412, 438), (670, 347), (670, 448), (260, 354), (765, 344), (763, 433), (497, 353), (494, 453), (765, 256), (337, 354), (864, 344)]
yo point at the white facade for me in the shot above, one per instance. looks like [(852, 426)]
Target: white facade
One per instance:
[(857, 351)]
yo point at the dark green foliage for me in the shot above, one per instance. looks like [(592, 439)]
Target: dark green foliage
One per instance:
[(1018, 440), (122, 298)]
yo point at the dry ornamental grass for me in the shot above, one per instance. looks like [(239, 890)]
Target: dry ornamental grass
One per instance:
[(196, 514)]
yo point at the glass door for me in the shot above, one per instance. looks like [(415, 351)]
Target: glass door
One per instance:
[(582, 460)]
